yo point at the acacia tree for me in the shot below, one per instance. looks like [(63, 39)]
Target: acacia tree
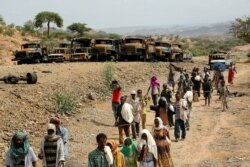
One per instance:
[(48, 17), (240, 28), (79, 28)]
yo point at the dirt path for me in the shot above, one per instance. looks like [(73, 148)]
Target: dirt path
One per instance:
[(215, 139)]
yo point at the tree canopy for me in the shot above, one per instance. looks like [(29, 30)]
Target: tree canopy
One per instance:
[(79, 28), (240, 28), (48, 17)]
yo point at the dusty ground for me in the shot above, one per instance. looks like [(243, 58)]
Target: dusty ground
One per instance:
[(215, 139)]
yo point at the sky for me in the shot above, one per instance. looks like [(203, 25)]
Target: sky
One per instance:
[(98, 14)]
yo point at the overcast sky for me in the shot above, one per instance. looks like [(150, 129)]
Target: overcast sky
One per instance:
[(99, 14)]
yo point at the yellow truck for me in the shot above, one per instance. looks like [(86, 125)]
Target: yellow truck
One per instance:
[(134, 48), (80, 49)]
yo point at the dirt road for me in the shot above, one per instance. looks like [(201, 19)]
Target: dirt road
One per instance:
[(215, 139)]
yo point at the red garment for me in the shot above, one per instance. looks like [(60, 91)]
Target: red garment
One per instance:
[(116, 95), (231, 74)]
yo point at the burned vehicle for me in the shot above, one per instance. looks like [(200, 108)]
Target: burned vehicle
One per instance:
[(134, 48), (31, 52), (105, 49), (176, 52), (30, 78), (80, 49), (60, 53), (162, 51)]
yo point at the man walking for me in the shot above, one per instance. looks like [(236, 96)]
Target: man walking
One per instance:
[(134, 102), (52, 149), (102, 155)]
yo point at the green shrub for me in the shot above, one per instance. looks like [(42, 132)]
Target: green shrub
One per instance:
[(1, 29), (65, 104), (9, 32), (108, 78)]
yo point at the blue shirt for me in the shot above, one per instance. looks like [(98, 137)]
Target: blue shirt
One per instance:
[(63, 132)]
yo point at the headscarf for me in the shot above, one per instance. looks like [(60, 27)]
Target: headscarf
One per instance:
[(52, 137), (153, 81), (152, 148), (126, 112), (108, 155), (18, 153), (161, 126), (56, 121), (119, 160), (126, 150)]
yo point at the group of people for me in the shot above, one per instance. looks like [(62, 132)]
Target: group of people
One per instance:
[(144, 148), (151, 150), (53, 150)]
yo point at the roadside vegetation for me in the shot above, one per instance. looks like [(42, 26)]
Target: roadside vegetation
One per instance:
[(64, 103), (108, 78)]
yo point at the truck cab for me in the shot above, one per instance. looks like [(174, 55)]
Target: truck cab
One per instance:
[(105, 49), (31, 52)]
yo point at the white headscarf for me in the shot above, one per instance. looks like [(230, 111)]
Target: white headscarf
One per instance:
[(152, 148), (160, 124), (108, 155), (126, 112)]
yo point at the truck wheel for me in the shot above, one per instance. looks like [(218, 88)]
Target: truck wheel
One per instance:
[(31, 78)]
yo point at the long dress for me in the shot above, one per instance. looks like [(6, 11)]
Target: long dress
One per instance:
[(231, 74), (164, 157)]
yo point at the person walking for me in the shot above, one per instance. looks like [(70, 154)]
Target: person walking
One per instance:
[(166, 92), (207, 90), (130, 152), (102, 156), (181, 112), (143, 101), (231, 71), (188, 96), (125, 118), (162, 140), (134, 102), (171, 74), (62, 132), (117, 154), (147, 150), (116, 95), (224, 93), (155, 89), (52, 148), (20, 153)]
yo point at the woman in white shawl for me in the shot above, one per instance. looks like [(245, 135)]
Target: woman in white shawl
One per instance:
[(147, 150), (161, 136)]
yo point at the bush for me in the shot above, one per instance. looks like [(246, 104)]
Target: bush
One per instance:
[(9, 32), (109, 77), (65, 104)]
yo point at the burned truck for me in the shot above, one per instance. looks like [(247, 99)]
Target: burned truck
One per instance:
[(80, 49), (105, 49), (176, 52), (137, 48), (61, 52), (134, 48), (162, 51), (31, 52)]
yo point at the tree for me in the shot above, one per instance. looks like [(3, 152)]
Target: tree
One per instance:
[(240, 28), (2, 22), (29, 26), (48, 17), (79, 28)]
